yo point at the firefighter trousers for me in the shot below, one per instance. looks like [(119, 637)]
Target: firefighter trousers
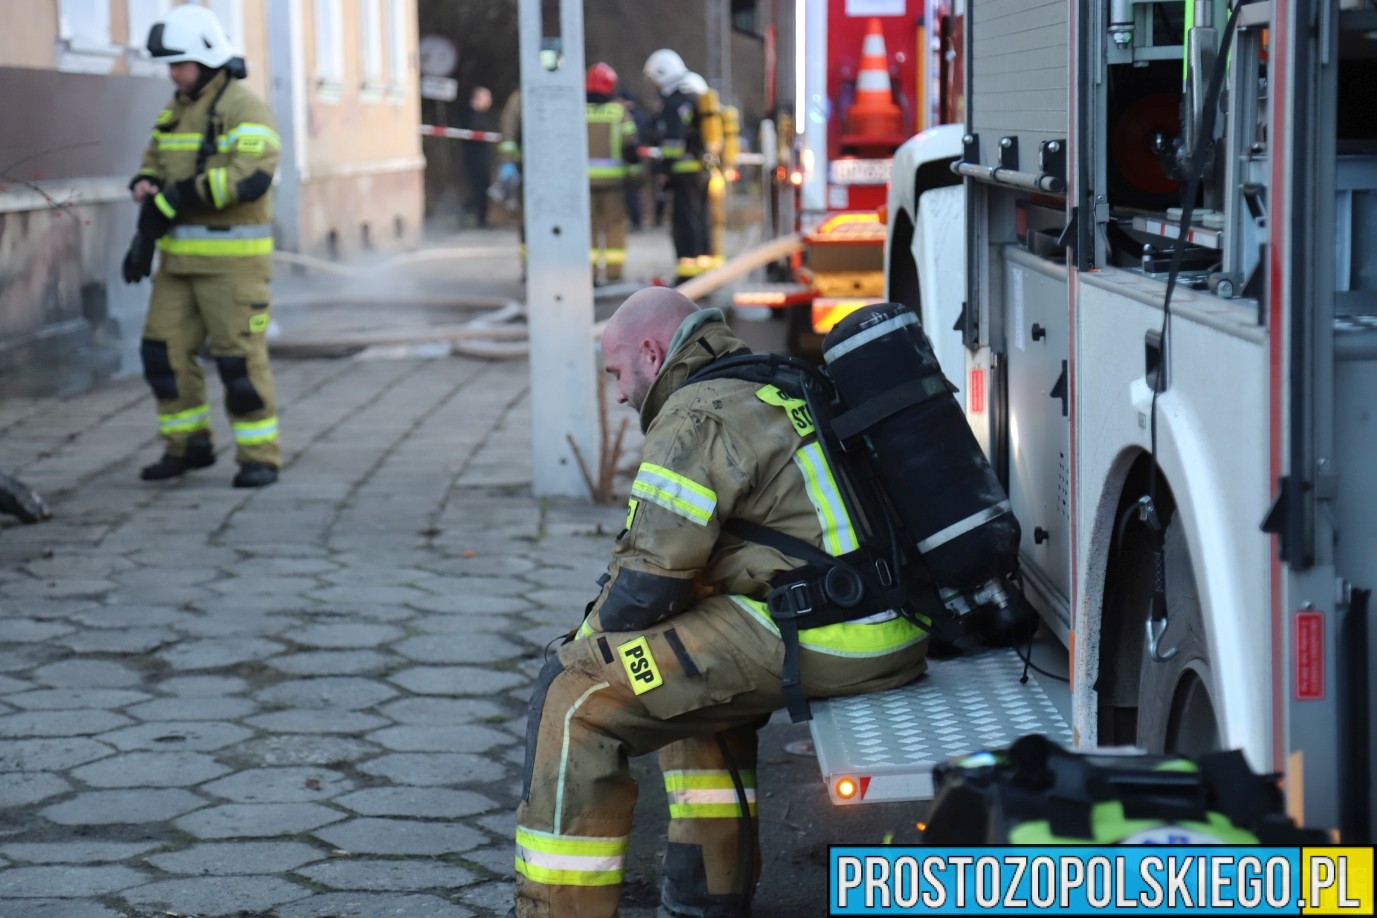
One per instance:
[(677, 688), (608, 240), (689, 220), (231, 310)]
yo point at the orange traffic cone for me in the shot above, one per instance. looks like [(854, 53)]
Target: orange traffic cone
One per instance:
[(874, 114)]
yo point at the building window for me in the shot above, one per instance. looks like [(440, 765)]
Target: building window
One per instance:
[(329, 46), (398, 48), (231, 16), (744, 16), (83, 34), (371, 44), (142, 15)]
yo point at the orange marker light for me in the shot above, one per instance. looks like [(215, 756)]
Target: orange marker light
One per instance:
[(846, 788)]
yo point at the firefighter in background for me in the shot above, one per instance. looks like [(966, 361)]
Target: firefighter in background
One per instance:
[(612, 142), (686, 123), (204, 187), (679, 652)]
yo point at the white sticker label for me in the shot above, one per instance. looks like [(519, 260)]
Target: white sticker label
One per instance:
[(1017, 280), (875, 7)]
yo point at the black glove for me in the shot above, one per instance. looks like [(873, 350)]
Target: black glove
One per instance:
[(182, 196), (163, 209), (138, 261)]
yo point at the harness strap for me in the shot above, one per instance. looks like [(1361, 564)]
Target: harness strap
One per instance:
[(891, 401)]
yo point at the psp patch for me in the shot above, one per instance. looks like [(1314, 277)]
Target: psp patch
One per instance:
[(640, 665)]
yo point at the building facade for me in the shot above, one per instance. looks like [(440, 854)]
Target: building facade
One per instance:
[(77, 100)]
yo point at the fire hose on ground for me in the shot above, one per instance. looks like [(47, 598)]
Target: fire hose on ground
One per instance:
[(499, 331)]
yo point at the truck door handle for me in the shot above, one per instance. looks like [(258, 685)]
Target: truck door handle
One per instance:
[(1040, 535), (1062, 391), (1038, 332)]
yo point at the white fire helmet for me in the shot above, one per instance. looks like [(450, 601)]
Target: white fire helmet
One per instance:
[(190, 33), (665, 68)]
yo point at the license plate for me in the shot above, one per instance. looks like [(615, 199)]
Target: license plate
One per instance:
[(859, 171)]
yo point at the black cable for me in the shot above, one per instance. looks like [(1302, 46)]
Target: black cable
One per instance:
[(745, 846)]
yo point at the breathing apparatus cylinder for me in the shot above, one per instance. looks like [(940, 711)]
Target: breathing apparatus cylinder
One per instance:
[(710, 124), (952, 507), (731, 132)]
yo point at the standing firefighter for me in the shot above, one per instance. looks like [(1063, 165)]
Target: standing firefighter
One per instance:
[(679, 653), (687, 114), (612, 144), (204, 187)]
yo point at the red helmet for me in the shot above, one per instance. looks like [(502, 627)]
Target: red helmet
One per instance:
[(602, 79)]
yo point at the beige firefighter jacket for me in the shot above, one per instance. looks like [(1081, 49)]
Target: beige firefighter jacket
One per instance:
[(234, 216), (723, 449)]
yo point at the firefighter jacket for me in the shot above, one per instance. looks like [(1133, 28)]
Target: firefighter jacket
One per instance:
[(681, 139), (731, 449), (612, 142), (230, 134)]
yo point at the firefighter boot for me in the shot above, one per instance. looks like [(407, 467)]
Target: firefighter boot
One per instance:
[(255, 475), (199, 454)]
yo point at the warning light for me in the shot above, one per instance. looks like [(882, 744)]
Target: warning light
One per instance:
[(846, 788), (796, 178), (922, 826)]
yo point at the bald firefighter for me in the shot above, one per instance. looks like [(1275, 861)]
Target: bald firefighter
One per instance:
[(679, 653), (204, 186), (612, 143)]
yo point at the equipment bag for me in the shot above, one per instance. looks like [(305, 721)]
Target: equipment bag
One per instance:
[(1037, 793)]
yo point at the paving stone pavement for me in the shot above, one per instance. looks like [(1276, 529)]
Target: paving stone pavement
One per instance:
[(303, 701)]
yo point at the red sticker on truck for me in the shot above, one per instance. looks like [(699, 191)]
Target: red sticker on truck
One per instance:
[(1309, 656)]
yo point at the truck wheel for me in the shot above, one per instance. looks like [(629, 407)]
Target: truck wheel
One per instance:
[(1175, 711)]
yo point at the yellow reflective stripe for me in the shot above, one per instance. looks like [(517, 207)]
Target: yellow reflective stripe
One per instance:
[(708, 794), (730, 810), (607, 172), (197, 418), (615, 256), (243, 135), (165, 116), (216, 247), (674, 492), (218, 180), (177, 141), (708, 779), (151, 173), (686, 165), (248, 433), (586, 629), (161, 203), (861, 639), (838, 535), (570, 860), (856, 639)]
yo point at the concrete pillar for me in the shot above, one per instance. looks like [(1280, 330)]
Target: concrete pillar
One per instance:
[(559, 279)]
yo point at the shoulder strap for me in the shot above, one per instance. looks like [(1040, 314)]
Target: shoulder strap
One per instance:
[(209, 138)]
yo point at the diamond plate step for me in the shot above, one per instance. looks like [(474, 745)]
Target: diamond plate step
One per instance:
[(888, 742)]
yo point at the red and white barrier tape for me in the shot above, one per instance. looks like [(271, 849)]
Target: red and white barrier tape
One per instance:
[(436, 130)]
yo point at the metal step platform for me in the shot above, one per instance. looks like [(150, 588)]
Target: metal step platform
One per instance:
[(881, 747)]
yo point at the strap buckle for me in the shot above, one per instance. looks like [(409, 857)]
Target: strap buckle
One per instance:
[(793, 600)]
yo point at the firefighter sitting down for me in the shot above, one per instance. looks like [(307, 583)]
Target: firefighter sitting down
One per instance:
[(679, 653)]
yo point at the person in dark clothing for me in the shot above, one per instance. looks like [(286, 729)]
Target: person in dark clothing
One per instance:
[(478, 155), (682, 172), (635, 183)]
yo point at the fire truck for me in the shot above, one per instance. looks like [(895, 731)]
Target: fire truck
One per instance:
[(862, 83), (1148, 256)]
